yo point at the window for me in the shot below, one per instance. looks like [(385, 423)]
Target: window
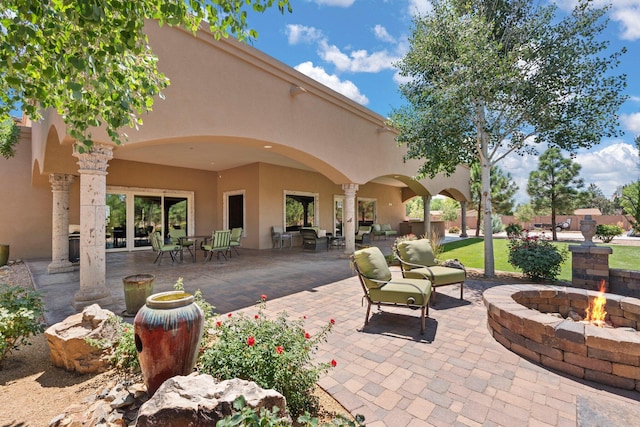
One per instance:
[(300, 210), (366, 211)]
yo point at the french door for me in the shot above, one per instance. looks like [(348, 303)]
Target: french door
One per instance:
[(133, 214)]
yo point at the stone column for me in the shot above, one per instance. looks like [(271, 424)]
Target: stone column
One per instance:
[(589, 263), (427, 216), (463, 219), (93, 191), (349, 217), (60, 184)]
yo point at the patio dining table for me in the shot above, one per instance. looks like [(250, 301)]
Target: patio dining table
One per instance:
[(196, 246)]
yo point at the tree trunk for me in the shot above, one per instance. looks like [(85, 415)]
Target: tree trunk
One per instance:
[(489, 267), (478, 217)]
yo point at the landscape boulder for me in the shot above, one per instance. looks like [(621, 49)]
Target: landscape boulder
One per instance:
[(198, 400), (68, 344)]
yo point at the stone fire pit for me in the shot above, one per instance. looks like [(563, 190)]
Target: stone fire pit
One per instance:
[(609, 356)]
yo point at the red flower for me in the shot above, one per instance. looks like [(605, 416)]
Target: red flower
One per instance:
[(307, 335), (279, 349), (230, 314), (251, 341), (256, 316), (333, 322), (333, 363), (304, 317), (218, 323), (264, 297)]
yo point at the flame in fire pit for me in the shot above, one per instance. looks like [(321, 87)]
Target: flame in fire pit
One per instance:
[(595, 313)]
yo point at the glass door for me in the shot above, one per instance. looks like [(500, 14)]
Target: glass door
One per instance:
[(366, 211), (147, 218), (116, 221)]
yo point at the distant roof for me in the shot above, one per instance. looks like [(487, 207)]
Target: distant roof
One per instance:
[(589, 211)]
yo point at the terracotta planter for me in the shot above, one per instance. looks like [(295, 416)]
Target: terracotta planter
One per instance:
[(4, 254), (167, 330), (137, 288)]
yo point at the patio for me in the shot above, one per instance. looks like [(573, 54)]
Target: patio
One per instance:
[(455, 374)]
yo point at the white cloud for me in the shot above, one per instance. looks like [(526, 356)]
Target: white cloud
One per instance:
[(338, 3), (631, 122), (357, 60), (610, 167), (345, 87), (382, 34), (302, 34), (419, 7)]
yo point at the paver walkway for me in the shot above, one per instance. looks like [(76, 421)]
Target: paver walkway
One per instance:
[(455, 374)]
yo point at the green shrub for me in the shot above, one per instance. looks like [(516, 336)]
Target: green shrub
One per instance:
[(20, 317), (537, 257), (606, 232), (496, 224), (249, 417), (513, 230), (454, 229), (274, 353)]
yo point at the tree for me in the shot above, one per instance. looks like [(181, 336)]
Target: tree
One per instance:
[(487, 79), (630, 200), (415, 208), (91, 61), (593, 197), (524, 213), (554, 184), (503, 188), (450, 210)]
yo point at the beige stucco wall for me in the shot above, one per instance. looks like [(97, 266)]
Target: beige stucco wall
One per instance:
[(25, 209)]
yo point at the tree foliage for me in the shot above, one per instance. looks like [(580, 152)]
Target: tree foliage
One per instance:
[(91, 61), (491, 78), (593, 197), (9, 135), (554, 184), (630, 200)]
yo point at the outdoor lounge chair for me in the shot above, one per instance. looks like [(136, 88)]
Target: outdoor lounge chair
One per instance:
[(311, 239), (417, 260), (383, 290), (363, 237), (158, 246), (220, 244), (234, 242), (383, 230)]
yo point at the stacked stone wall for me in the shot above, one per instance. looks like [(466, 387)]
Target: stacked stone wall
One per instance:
[(517, 320)]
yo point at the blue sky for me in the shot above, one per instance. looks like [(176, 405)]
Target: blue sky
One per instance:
[(351, 45)]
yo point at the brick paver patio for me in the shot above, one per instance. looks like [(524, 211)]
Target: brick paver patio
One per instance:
[(455, 374)]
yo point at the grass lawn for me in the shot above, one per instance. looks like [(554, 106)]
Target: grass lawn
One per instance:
[(470, 252)]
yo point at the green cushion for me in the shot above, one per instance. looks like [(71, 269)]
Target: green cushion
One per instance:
[(385, 227), (372, 264), (376, 228), (441, 275), (417, 252), (400, 290)]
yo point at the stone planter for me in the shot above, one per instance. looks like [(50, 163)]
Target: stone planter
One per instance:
[(168, 329), (4, 254)]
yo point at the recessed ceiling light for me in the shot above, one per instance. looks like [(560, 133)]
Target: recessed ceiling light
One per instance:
[(268, 146)]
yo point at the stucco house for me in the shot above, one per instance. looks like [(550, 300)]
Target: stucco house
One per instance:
[(237, 137)]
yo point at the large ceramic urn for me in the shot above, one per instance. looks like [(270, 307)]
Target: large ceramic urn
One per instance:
[(168, 329)]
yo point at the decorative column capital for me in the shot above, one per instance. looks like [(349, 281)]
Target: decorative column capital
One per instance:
[(95, 159), (61, 181), (350, 189)]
